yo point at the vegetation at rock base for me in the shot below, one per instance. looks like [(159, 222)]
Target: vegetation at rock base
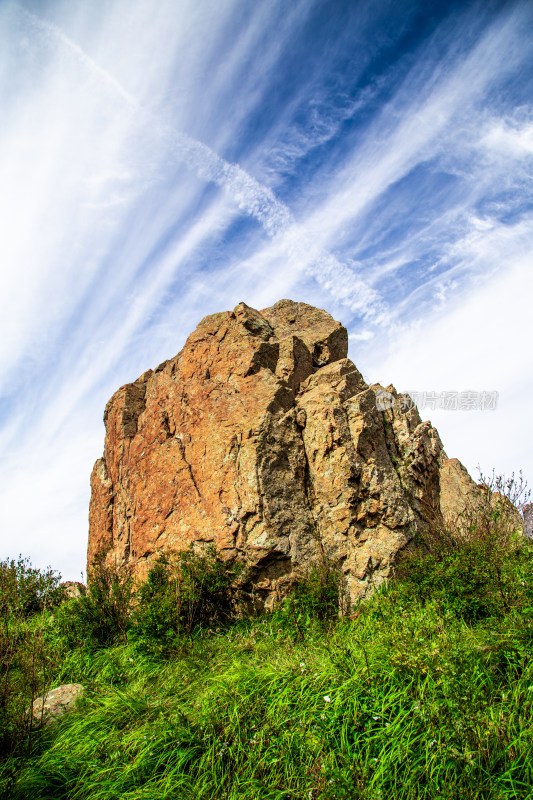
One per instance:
[(181, 594), (25, 590), (423, 691), (27, 662)]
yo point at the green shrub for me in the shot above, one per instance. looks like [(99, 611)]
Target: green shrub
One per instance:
[(26, 590), (182, 593), (101, 617), (478, 567), (318, 596), (155, 624), (26, 593)]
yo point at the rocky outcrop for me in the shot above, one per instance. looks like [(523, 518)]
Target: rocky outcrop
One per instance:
[(72, 590), (262, 437)]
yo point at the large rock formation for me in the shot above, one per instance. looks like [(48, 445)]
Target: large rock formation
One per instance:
[(262, 437)]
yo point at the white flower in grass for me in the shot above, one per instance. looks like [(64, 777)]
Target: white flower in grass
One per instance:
[(327, 698)]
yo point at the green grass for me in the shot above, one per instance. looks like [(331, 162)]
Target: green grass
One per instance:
[(404, 701), (425, 692)]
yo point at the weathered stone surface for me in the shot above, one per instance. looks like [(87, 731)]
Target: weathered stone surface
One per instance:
[(461, 499), (527, 513), (73, 589), (263, 437), (458, 492), (53, 705)]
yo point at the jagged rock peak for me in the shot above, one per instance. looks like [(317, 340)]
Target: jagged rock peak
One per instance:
[(262, 437)]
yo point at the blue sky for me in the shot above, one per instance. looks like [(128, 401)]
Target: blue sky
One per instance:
[(163, 161)]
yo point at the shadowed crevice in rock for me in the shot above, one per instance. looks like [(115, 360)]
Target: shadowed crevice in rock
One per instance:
[(263, 437), (132, 401)]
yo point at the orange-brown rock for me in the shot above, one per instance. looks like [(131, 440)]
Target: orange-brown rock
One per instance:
[(262, 437), (54, 704)]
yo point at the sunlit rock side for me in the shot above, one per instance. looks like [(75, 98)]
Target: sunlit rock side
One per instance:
[(262, 437), (527, 512), (54, 704)]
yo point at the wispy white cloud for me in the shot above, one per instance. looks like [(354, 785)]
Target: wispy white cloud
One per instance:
[(412, 128), (480, 343), (510, 138), (250, 196)]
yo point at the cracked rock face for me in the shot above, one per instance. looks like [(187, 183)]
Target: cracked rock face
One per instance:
[(262, 437)]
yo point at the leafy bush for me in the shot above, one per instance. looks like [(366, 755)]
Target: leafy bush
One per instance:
[(316, 597), (180, 594), (25, 661), (26, 590), (478, 567), (101, 618), (156, 619)]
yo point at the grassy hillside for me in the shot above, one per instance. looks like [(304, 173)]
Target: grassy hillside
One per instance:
[(425, 691)]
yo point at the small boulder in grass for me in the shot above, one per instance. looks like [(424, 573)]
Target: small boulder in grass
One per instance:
[(53, 705)]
